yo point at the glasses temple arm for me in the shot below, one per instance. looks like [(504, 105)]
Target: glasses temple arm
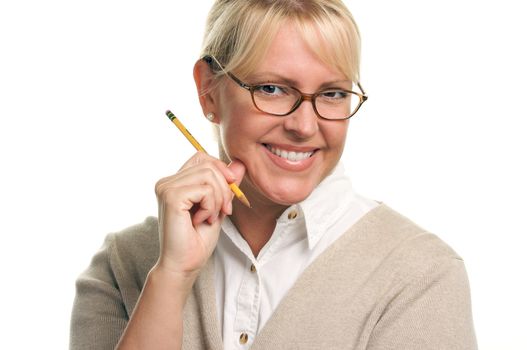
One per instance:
[(212, 60)]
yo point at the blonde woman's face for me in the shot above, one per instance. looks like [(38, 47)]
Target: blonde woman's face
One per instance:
[(285, 157)]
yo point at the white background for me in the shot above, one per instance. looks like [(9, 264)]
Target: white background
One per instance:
[(83, 139)]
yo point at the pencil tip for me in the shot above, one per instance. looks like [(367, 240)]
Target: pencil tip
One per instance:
[(244, 200)]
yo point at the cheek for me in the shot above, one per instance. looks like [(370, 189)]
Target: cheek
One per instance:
[(230, 111), (335, 136), (237, 125)]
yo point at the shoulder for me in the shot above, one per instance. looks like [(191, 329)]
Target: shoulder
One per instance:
[(386, 261), (392, 231), (106, 292), (138, 239), (133, 251), (388, 243), (421, 287), (411, 240)]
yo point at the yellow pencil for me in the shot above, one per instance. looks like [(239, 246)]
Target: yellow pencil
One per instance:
[(234, 188)]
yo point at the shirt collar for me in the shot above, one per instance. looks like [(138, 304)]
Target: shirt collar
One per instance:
[(328, 202)]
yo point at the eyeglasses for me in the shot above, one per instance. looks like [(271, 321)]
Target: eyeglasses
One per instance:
[(281, 100)]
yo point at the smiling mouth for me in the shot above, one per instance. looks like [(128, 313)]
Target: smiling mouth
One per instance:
[(291, 156)]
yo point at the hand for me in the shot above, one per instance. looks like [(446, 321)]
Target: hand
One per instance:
[(192, 204)]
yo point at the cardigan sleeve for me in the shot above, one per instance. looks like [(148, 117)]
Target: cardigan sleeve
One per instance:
[(432, 312), (99, 316)]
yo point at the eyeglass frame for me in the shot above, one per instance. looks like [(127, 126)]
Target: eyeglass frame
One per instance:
[(363, 97)]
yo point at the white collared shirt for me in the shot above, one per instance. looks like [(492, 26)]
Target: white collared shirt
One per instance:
[(249, 289)]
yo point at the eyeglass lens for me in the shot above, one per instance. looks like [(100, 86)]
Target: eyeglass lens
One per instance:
[(280, 100)]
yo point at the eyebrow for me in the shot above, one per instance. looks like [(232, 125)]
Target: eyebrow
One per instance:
[(277, 78)]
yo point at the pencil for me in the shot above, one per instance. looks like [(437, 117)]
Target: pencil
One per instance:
[(234, 188)]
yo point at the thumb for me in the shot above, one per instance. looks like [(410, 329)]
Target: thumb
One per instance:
[(238, 170)]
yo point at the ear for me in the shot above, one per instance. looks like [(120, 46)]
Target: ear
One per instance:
[(204, 78)]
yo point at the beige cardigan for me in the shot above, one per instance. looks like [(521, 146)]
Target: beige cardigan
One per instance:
[(385, 284)]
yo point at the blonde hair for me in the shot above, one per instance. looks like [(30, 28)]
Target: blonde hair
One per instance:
[(239, 32)]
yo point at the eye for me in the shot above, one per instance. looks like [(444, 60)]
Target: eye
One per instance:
[(334, 94), (271, 90)]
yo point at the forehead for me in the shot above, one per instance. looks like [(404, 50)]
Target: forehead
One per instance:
[(289, 55)]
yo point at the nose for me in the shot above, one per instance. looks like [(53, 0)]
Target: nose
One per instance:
[(303, 122)]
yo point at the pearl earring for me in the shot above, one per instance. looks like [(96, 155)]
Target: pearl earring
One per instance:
[(210, 116)]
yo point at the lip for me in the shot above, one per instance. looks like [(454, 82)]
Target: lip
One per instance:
[(287, 164), (291, 148)]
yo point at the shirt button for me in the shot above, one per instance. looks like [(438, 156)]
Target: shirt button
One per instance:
[(292, 215), (244, 338), (253, 268)]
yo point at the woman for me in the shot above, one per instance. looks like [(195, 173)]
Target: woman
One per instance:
[(311, 265)]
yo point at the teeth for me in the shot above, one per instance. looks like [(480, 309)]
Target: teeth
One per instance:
[(291, 156)]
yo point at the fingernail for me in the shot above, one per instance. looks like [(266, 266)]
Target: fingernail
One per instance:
[(232, 177)]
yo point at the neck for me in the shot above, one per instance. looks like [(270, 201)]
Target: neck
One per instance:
[(256, 224)]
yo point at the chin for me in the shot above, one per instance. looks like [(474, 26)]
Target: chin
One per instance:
[(287, 194)]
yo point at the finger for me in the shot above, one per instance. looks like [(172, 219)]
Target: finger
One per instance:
[(222, 192), (203, 197), (197, 177), (197, 158), (225, 177), (207, 210), (191, 164), (238, 169), (224, 174), (199, 161), (201, 157)]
